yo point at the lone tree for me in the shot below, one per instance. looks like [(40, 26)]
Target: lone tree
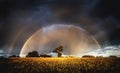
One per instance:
[(32, 54), (58, 50)]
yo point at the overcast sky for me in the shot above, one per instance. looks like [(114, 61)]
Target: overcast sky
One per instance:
[(19, 19)]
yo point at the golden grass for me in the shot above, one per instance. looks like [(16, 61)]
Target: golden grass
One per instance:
[(63, 65)]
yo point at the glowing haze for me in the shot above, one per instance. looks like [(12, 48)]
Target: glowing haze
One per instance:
[(74, 39)]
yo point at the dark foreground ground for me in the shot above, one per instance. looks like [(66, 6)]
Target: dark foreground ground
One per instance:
[(60, 65)]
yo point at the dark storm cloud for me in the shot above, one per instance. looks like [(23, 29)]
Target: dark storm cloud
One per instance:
[(19, 19), (7, 8), (107, 8), (109, 13)]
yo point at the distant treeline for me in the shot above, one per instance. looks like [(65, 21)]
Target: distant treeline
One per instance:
[(45, 55), (36, 54)]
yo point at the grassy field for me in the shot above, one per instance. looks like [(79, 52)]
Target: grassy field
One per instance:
[(60, 65)]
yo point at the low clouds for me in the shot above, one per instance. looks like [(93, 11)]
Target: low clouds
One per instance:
[(106, 51), (2, 53)]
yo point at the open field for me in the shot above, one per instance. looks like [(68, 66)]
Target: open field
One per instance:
[(60, 65)]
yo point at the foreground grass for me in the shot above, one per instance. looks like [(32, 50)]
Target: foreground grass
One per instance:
[(60, 65)]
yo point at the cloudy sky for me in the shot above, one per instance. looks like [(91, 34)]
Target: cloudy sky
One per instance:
[(19, 19)]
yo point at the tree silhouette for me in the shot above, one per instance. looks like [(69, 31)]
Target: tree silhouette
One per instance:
[(32, 54), (44, 55), (112, 56), (88, 56), (58, 50)]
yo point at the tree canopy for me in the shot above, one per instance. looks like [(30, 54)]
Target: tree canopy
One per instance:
[(32, 54)]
